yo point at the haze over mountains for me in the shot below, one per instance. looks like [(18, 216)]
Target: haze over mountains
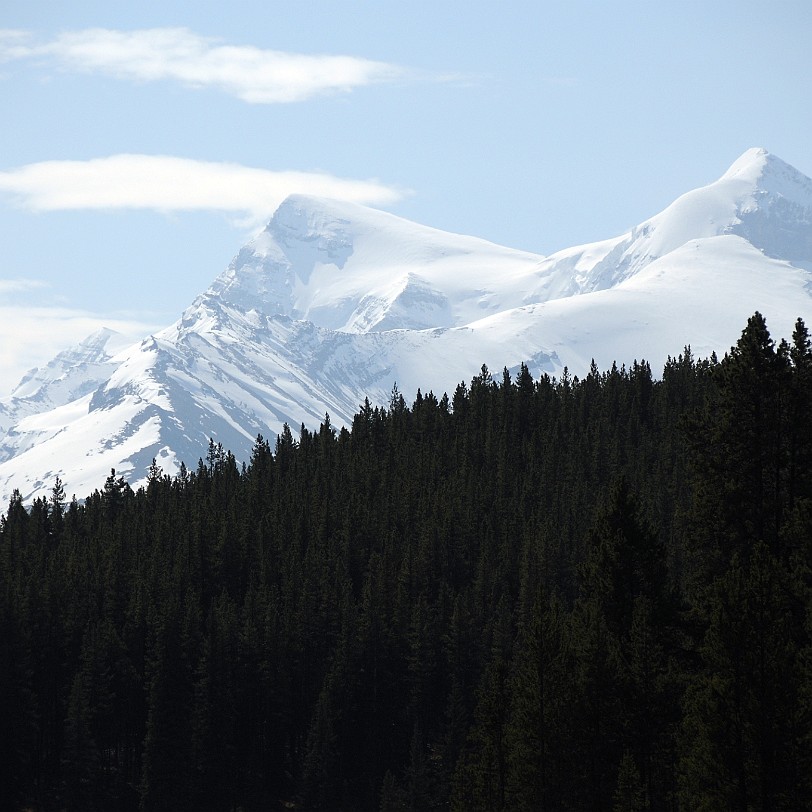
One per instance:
[(334, 302)]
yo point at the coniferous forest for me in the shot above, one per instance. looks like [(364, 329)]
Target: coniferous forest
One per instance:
[(530, 594)]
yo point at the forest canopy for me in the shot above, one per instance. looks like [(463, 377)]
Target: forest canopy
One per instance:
[(530, 594)]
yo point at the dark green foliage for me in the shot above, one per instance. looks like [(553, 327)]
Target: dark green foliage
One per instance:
[(535, 594)]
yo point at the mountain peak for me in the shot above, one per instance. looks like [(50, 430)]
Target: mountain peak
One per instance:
[(350, 268), (96, 348), (749, 164), (767, 173), (774, 205)]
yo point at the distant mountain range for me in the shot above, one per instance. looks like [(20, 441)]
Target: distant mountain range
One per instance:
[(334, 302)]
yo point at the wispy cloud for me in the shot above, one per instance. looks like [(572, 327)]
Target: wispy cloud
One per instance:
[(14, 44), (166, 183), (11, 286), (255, 75)]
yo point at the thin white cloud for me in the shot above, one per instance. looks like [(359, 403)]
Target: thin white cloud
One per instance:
[(166, 183), (255, 75), (11, 286), (14, 45)]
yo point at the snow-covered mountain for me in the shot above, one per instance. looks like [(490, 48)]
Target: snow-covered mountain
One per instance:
[(69, 375), (334, 302)]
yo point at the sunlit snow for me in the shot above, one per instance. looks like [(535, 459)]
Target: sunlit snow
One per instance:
[(334, 302)]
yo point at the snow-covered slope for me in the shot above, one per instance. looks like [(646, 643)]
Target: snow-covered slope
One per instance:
[(346, 267), (69, 375), (334, 302), (760, 198)]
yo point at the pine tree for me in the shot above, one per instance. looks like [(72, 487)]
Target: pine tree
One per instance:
[(80, 759), (740, 452), (537, 735), (629, 795), (167, 756), (746, 729)]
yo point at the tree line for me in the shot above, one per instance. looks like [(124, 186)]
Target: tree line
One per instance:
[(541, 594)]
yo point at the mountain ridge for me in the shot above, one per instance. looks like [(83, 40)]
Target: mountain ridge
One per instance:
[(335, 302)]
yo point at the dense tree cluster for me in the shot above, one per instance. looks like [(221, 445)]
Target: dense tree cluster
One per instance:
[(536, 594)]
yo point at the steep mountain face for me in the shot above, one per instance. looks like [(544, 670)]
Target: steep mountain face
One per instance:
[(335, 302)]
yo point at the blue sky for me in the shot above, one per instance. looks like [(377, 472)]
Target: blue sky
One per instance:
[(141, 146)]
